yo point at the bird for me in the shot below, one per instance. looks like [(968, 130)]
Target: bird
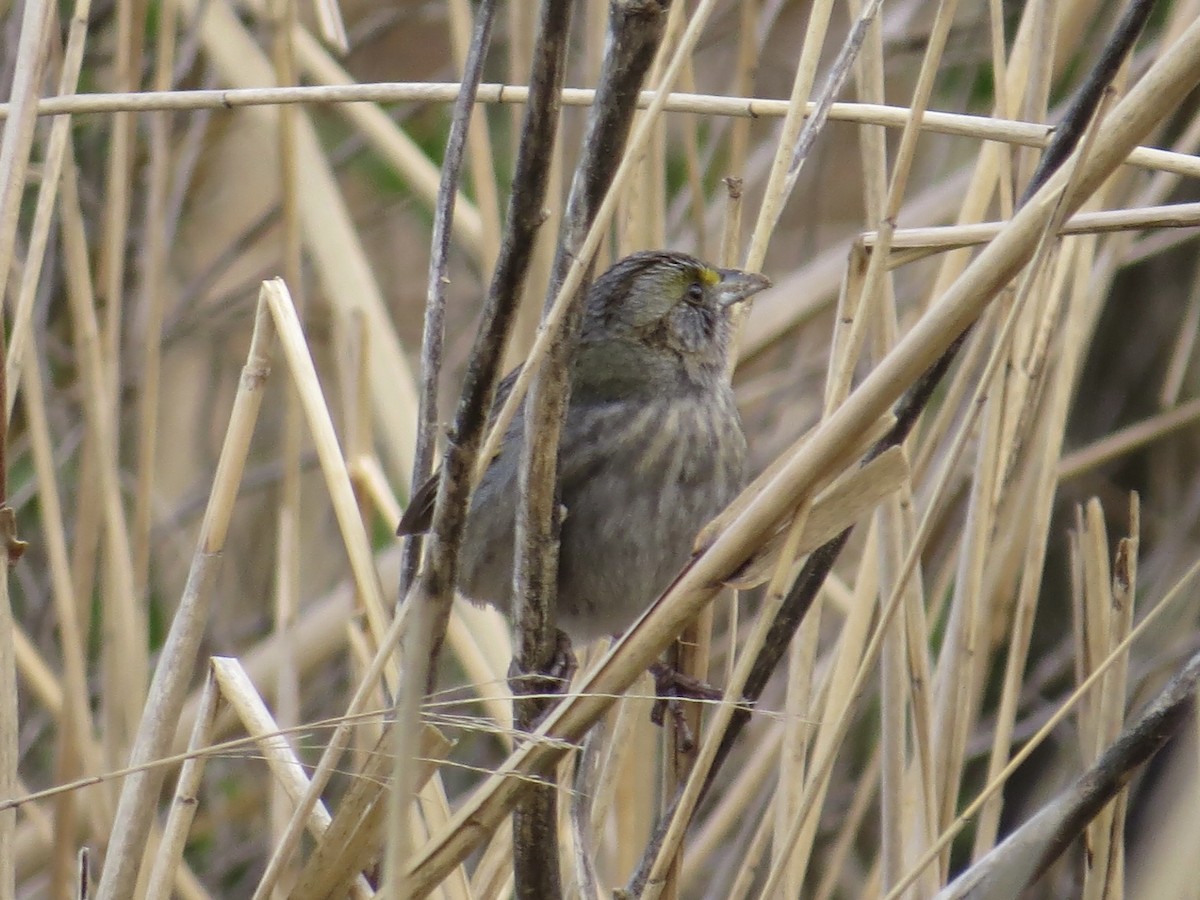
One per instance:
[(651, 448)]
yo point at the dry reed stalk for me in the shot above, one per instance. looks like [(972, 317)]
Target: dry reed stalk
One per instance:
[(15, 147), (288, 569), (80, 751), (152, 291), (77, 751), (341, 89), (239, 693), (52, 162), (303, 373), (1182, 215), (123, 648), (186, 796), (124, 661)]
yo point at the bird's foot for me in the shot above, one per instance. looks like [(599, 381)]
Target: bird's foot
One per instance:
[(672, 688), (546, 685)]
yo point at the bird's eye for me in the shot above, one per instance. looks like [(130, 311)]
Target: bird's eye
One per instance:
[(695, 292)]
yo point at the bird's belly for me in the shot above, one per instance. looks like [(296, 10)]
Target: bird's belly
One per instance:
[(628, 533), (632, 513), (614, 562)]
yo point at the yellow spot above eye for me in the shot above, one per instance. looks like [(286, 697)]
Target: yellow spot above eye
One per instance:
[(709, 276)]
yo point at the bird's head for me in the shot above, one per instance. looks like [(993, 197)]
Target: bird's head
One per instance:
[(672, 305)]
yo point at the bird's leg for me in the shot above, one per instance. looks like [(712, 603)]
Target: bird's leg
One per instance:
[(672, 688)]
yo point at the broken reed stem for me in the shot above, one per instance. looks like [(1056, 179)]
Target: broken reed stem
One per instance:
[(139, 793), (186, 797)]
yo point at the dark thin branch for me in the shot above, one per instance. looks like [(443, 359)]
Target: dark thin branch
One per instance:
[(434, 593), (535, 819), (435, 298), (1079, 112), (1025, 855), (635, 30), (820, 563), (499, 308), (1115, 767)]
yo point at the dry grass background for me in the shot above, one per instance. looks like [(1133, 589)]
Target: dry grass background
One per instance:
[(133, 246)]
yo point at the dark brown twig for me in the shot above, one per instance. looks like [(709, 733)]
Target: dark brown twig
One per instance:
[(434, 594), (1029, 851), (535, 820), (465, 436), (524, 217), (435, 297), (1079, 111)]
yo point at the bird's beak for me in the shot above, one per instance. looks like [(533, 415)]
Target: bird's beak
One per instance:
[(736, 285)]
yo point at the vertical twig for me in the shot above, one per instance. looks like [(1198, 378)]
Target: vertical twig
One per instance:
[(123, 673), (431, 605), (435, 296), (634, 33), (14, 159), (536, 870)]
